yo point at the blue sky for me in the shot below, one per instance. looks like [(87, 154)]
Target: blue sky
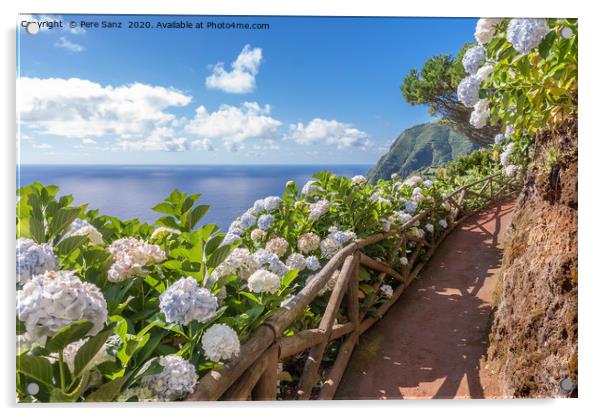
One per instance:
[(307, 90)]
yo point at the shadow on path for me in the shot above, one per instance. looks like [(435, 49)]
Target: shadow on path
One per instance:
[(433, 341)]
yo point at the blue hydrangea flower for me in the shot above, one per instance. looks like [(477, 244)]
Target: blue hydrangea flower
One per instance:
[(526, 34), (272, 203), (468, 90), (265, 221), (473, 59), (411, 206), (184, 302), (247, 220), (312, 263)]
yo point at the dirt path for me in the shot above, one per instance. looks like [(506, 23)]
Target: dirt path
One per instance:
[(433, 341)]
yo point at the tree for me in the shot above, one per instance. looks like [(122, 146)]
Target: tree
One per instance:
[(435, 85)]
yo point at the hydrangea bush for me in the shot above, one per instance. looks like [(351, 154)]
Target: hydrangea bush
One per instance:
[(111, 309), (522, 75)]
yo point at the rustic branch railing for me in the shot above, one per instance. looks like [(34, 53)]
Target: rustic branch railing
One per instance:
[(253, 373)]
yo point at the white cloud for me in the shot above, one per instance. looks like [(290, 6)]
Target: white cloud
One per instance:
[(241, 79), (202, 144), (65, 43), (88, 141), (77, 108), (319, 131), (42, 146), (233, 125), (178, 144)]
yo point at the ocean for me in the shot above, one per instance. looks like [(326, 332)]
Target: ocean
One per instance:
[(130, 191)]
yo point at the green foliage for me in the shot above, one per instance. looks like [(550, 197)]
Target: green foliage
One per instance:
[(537, 90), (108, 364), (435, 86)]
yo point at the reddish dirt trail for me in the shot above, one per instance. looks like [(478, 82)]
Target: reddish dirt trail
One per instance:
[(433, 342)]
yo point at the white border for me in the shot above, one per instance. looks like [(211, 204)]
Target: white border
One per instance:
[(590, 149)]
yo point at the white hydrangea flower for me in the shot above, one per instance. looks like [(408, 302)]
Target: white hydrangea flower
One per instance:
[(277, 245), (403, 261), (416, 232), (161, 232), (505, 155), (468, 90), (473, 59), (480, 114), (83, 227), (240, 262), (220, 342), (428, 183), (394, 176), (33, 259), (358, 180), (130, 256), (443, 223), (318, 209), (296, 261), (310, 187), (184, 302), (53, 300), (404, 216), (177, 378), (526, 34), (484, 72), (258, 235), (264, 281), (413, 181), (511, 170), (387, 290), (386, 223), (329, 247), (299, 205), (308, 242), (429, 227), (417, 195), (485, 30)]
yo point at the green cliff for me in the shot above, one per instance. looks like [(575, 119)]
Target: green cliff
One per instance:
[(421, 146)]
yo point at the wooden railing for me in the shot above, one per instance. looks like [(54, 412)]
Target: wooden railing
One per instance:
[(253, 374)]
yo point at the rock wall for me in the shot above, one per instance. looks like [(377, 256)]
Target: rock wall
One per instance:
[(533, 342)]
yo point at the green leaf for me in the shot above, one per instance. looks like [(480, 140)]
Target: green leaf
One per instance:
[(288, 278), (218, 256), (62, 220), (37, 230), (213, 243), (250, 296), (67, 335), (169, 222), (38, 368), (69, 244), (108, 391), (196, 215), (87, 351), (20, 327), (165, 208)]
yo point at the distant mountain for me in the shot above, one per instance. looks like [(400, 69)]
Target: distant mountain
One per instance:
[(421, 146)]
